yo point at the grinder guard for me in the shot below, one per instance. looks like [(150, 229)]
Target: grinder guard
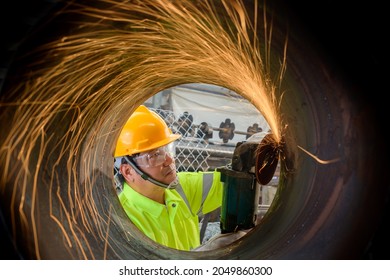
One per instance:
[(241, 192)]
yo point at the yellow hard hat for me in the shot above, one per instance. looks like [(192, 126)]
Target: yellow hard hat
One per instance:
[(144, 130)]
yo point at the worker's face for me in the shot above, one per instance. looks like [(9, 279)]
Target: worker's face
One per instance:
[(158, 164)]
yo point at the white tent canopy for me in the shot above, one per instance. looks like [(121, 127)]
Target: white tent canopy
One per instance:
[(213, 105)]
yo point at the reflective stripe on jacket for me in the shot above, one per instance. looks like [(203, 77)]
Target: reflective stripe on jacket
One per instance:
[(174, 224)]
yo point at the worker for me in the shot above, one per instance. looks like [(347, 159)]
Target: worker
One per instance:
[(164, 204)]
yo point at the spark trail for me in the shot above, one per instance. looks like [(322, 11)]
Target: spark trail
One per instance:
[(118, 54)]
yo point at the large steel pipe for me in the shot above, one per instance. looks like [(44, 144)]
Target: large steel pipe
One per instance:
[(57, 189)]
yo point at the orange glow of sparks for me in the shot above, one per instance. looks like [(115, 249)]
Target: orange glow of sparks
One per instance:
[(122, 52)]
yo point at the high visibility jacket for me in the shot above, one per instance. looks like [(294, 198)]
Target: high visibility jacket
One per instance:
[(175, 224)]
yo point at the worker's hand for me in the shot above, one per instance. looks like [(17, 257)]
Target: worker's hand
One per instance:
[(221, 240)]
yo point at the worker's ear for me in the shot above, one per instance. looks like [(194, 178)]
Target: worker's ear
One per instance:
[(127, 172)]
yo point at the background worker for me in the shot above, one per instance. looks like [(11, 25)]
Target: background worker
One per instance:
[(163, 204)]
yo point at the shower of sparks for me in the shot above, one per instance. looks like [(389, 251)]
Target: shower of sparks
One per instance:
[(121, 53)]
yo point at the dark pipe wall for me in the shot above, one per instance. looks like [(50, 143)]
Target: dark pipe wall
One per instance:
[(350, 35)]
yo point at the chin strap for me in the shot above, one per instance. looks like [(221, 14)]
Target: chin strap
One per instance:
[(145, 176)]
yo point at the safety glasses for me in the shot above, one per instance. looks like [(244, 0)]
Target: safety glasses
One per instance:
[(153, 158)]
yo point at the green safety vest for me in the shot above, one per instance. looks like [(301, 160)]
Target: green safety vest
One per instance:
[(175, 224)]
